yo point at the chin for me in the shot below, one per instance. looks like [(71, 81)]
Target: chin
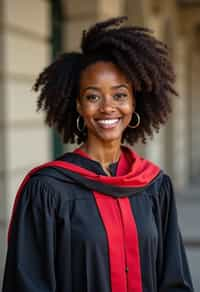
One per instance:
[(110, 138), (107, 136)]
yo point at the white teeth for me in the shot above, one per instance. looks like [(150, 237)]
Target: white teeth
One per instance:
[(108, 122)]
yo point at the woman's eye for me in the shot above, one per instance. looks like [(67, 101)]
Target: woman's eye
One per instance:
[(92, 97), (120, 96)]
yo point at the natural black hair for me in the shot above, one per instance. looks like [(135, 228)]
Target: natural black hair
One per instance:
[(144, 60)]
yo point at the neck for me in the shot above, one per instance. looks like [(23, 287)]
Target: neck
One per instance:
[(105, 154)]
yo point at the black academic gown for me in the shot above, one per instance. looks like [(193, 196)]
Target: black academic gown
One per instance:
[(74, 229)]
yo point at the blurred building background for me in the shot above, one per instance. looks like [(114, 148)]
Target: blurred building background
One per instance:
[(32, 33)]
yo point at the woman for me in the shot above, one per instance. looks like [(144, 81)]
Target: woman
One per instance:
[(101, 218)]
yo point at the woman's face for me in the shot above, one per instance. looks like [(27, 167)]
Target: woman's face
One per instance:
[(106, 101)]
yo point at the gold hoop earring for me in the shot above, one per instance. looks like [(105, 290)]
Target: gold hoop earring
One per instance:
[(79, 127), (137, 122)]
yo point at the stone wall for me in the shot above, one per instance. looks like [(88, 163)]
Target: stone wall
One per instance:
[(24, 140)]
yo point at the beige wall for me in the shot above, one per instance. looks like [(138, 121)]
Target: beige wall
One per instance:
[(24, 139)]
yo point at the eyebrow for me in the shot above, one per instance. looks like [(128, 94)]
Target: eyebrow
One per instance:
[(120, 85), (113, 87)]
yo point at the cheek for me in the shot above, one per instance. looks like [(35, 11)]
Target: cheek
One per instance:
[(128, 109), (88, 112)]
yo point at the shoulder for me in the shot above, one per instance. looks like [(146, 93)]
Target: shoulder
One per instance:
[(44, 182), (161, 190), (163, 181), (161, 185), (54, 178), (36, 190), (44, 195)]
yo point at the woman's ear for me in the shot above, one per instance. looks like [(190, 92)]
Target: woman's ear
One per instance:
[(78, 106)]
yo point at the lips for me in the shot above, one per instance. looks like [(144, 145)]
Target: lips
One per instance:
[(108, 123)]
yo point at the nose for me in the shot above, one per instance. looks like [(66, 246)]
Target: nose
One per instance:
[(107, 105)]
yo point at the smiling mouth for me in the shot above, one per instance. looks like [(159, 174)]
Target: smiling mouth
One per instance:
[(108, 123)]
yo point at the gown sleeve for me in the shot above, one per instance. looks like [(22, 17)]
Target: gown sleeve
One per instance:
[(175, 271), (30, 257)]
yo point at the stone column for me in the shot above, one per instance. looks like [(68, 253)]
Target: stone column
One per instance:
[(180, 114), (154, 149), (195, 115)]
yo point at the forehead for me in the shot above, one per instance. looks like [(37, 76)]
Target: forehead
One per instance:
[(102, 71)]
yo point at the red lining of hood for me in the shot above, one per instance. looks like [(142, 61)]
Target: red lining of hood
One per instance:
[(132, 170)]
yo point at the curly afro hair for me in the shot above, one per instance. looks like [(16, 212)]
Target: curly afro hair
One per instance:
[(144, 60)]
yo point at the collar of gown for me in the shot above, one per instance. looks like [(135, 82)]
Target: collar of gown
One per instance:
[(132, 169), (133, 174)]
